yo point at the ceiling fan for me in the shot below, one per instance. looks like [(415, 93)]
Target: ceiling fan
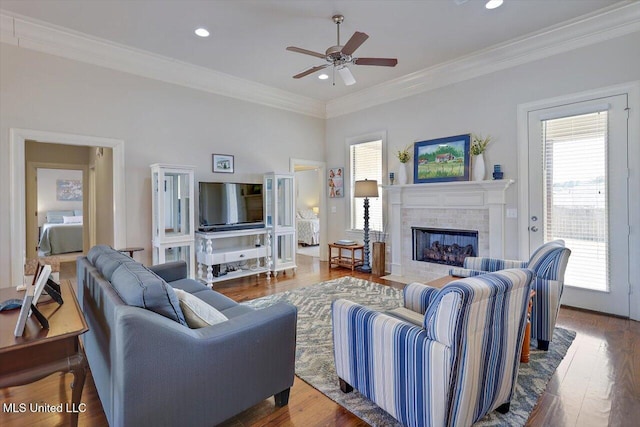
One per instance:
[(339, 56)]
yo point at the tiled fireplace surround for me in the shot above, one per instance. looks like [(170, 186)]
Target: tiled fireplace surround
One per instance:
[(468, 205)]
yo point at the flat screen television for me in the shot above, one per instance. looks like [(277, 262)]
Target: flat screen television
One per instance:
[(230, 206)]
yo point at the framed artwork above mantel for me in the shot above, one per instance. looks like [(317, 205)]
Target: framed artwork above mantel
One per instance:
[(442, 160)]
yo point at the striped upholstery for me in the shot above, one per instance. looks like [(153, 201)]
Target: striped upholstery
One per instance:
[(548, 263), (461, 364)]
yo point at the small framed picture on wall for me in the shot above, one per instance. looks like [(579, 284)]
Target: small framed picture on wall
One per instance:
[(336, 182), (223, 163)]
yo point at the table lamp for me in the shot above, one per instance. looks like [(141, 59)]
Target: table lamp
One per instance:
[(366, 189)]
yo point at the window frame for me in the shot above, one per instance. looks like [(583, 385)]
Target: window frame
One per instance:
[(361, 139)]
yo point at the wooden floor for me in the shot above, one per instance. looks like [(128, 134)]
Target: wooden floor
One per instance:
[(597, 383)]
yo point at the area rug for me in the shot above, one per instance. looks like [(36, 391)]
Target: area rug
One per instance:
[(314, 350)]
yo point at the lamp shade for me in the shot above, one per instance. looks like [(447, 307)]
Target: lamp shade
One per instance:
[(366, 188), (316, 210)]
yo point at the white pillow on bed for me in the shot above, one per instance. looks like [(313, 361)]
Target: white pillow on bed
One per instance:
[(72, 219), (307, 214)]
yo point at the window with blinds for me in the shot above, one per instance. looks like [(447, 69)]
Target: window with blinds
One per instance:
[(366, 163), (575, 195)]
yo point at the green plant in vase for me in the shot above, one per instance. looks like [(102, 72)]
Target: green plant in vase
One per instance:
[(403, 155), (477, 149), (479, 144)]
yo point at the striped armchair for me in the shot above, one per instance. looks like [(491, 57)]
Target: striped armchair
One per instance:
[(548, 263), (456, 365)]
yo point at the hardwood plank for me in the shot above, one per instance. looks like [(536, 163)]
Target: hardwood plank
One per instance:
[(597, 383)]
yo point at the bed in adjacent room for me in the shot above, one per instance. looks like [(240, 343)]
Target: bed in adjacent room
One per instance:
[(62, 233), (308, 226)]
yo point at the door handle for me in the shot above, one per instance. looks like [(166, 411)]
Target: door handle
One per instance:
[(534, 228)]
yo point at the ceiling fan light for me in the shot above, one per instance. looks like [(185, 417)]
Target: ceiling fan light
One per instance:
[(346, 75), (493, 4), (323, 76), (202, 32)]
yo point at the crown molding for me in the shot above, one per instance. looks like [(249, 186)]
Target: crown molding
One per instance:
[(47, 38), (619, 20)]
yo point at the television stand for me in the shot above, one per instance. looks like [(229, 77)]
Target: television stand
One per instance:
[(231, 227), (239, 253)]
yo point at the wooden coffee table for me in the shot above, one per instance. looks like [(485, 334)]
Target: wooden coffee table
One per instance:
[(526, 341), (41, 352)]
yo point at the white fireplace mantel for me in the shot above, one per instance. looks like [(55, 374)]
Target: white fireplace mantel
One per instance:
[(490, 195)]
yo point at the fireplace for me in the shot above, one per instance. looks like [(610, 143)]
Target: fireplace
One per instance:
[(443, 246)]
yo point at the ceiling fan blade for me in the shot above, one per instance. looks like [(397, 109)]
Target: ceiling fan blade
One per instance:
[(306, 52), (354, 42), (310, 71), (385, 62), (346, 75)]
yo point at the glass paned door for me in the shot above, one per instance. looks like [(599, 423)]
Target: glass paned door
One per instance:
[(575, 194), (578, 193)]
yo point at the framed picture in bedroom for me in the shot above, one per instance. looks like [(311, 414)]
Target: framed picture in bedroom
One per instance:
[(442, 159), (69, 190)]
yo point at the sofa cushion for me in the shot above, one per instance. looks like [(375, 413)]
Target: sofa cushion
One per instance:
[(237, 310), (189, 285), (217, 300), (108, 262), (198, 313), (140, 287), (96, 251)]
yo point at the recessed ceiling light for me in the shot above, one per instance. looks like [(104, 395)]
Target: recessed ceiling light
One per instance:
[(202, 32), (323, 76), (492, 4)]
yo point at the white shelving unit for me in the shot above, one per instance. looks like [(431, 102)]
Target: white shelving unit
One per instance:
[(172, 189), (279, 216), (217, 251)]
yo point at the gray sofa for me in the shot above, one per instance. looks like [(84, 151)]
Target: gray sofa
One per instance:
[(151, 369)]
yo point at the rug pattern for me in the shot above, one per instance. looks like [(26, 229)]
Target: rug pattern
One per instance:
[(314, 350)]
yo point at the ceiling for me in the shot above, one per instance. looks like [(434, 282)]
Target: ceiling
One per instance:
[(248, 38)]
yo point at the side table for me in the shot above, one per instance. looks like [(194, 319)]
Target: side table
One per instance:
[(131, 250), (352, 257), (41, 352)]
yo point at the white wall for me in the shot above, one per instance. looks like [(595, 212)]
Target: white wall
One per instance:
[(308, 189), (159, 122), (486, 105), (47, 200)]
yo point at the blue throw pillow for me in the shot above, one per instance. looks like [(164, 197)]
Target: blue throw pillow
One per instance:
[(140, 287), (96, 251), (109, 261)]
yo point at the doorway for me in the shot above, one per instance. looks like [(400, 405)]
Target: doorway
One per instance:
[(18, 140), (55, 223), (310, 204), (574, 177)]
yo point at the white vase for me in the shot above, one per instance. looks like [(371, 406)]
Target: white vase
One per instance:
[(478, 167), (402, 174)]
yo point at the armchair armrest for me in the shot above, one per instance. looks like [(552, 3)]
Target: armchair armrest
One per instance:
[(492, 265), (171, 271), (465, 272), (220, 369), (418, 296)]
